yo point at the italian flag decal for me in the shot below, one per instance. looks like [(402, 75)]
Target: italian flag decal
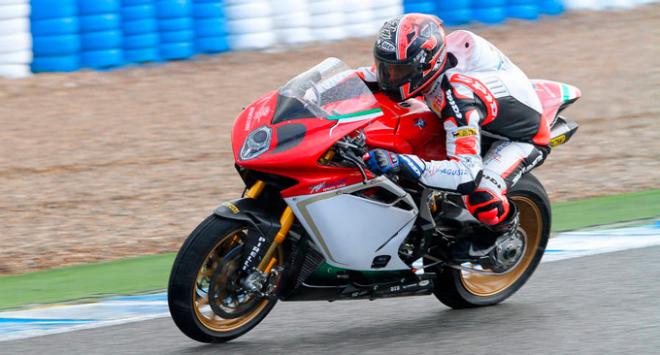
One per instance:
[(568, 92), (357, 116)]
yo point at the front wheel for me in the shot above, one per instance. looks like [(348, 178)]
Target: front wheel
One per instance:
[(463, 289), (205, 296)]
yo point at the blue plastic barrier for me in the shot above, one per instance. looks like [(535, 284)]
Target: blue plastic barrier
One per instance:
[(57, 26), (140, 29), (102, 59), (105, 22), (55, 39), (175, 51), (175, 29), (551, 7), (52, 9), (212, 44), (529, 11), (208, 10), (92, 7), (489, 15), (454, 13), (100, 33), (210, 27), (143, 41), (138, 12), (56, 64), (175, 24), (61, 45), (173, 8), (142, 55), (421, 6), (101, 40)]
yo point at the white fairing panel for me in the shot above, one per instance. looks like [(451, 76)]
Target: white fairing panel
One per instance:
[(351, 230)]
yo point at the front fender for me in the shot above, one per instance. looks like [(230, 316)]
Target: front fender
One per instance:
[(253, 212)]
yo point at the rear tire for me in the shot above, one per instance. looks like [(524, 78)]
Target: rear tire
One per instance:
[(207, 245), (458, 289)]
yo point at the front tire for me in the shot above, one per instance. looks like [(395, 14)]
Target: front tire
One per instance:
[(461, 289), (209, 249)]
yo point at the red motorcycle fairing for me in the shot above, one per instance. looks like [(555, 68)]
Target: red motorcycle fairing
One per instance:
[(407, 128)]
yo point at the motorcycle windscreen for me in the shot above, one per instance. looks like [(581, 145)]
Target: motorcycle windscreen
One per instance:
[(351, 230), (330, 90)]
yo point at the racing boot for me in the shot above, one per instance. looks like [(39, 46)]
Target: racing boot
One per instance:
[(509, 245), (499, 251)]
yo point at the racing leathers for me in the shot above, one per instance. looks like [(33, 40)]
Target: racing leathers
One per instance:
[(481, 94)]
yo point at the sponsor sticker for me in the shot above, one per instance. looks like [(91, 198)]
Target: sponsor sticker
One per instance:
[(558, 140), (465, 132), (232, 207)]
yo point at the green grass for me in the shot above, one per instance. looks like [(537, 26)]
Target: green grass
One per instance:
[(605, 210), (125, 276), (149, 273)]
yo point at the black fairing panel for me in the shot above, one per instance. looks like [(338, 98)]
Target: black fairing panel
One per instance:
[(255, 213)]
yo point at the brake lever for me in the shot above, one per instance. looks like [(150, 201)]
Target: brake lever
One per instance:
[(358, 164)]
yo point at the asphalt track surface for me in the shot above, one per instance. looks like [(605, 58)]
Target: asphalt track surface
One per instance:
[(601, 304)]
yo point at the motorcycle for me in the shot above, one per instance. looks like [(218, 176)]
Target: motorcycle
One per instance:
[(315, 224)]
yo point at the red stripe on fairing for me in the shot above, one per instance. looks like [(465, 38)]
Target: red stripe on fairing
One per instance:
[(512, 168)]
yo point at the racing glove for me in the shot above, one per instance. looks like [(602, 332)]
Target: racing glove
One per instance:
[(381, 161)]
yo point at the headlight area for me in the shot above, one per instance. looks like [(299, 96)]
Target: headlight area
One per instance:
[(256, 143)]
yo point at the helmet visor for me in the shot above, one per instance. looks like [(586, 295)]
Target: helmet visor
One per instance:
[(392, 76)]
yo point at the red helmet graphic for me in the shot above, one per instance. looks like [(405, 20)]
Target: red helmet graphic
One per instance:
[(409, 53)]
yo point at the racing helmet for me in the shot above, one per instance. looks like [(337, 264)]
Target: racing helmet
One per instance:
[(410, 52)]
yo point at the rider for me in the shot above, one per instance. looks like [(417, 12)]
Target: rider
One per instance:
[(477, 92)]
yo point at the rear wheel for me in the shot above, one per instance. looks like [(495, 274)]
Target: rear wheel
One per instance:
[(462, 289), (205, 296)]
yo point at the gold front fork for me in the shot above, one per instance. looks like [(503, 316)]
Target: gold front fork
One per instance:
[(286, 220)]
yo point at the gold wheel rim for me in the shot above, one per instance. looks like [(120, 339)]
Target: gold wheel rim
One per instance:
[(531, 221), (203, 311)]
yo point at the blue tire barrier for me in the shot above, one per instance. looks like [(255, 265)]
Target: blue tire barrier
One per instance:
[(93, 23), (211, 27), (488, 3), (212, 44), (173, 8), (524, 12), (92, 7), (137, 2), (55, 45), (175, 24), (141, 55), (456, 17), (451, 5), (141, 41), (489, 15), (139, 12), (177, 36), (50, 9), (57, 26), (170, 51), (208, 10), (55, 64), (93, 41), (107, 58), (139, 27), (521, 2), (425, 7), (551, 7)]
